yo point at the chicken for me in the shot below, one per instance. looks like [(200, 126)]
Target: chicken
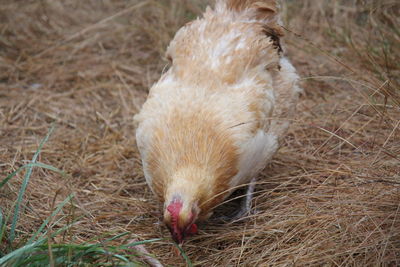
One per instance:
[(217, 116)]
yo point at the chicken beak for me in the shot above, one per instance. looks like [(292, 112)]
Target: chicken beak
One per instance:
[(177, 237)]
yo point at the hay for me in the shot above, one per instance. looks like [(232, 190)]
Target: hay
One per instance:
[(330, 196)]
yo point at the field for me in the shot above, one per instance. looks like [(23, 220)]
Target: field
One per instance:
[(78, 71)]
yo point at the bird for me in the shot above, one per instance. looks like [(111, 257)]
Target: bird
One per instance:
[(216, 117)]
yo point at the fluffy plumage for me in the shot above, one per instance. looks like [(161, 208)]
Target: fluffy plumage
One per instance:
[(217, 116)]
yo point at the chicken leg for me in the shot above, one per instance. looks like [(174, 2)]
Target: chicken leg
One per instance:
[(245, 206)]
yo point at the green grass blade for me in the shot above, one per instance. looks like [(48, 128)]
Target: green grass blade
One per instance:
[(117, 236), (2, 222), (18, 253), (103, 235), (40, 259), (127, 246), (30, 165), (1, 219), (124, 259), (54, 213), (188, 262), (66, 227), (25, 184), (90, 251), (3, 228), (11, 175)]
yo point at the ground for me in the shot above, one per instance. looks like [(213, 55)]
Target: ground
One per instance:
[(331, 196)]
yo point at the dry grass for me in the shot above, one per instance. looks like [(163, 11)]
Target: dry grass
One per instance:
[(331, 196)]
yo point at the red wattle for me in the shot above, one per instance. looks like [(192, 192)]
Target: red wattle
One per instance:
[(193, 229)]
